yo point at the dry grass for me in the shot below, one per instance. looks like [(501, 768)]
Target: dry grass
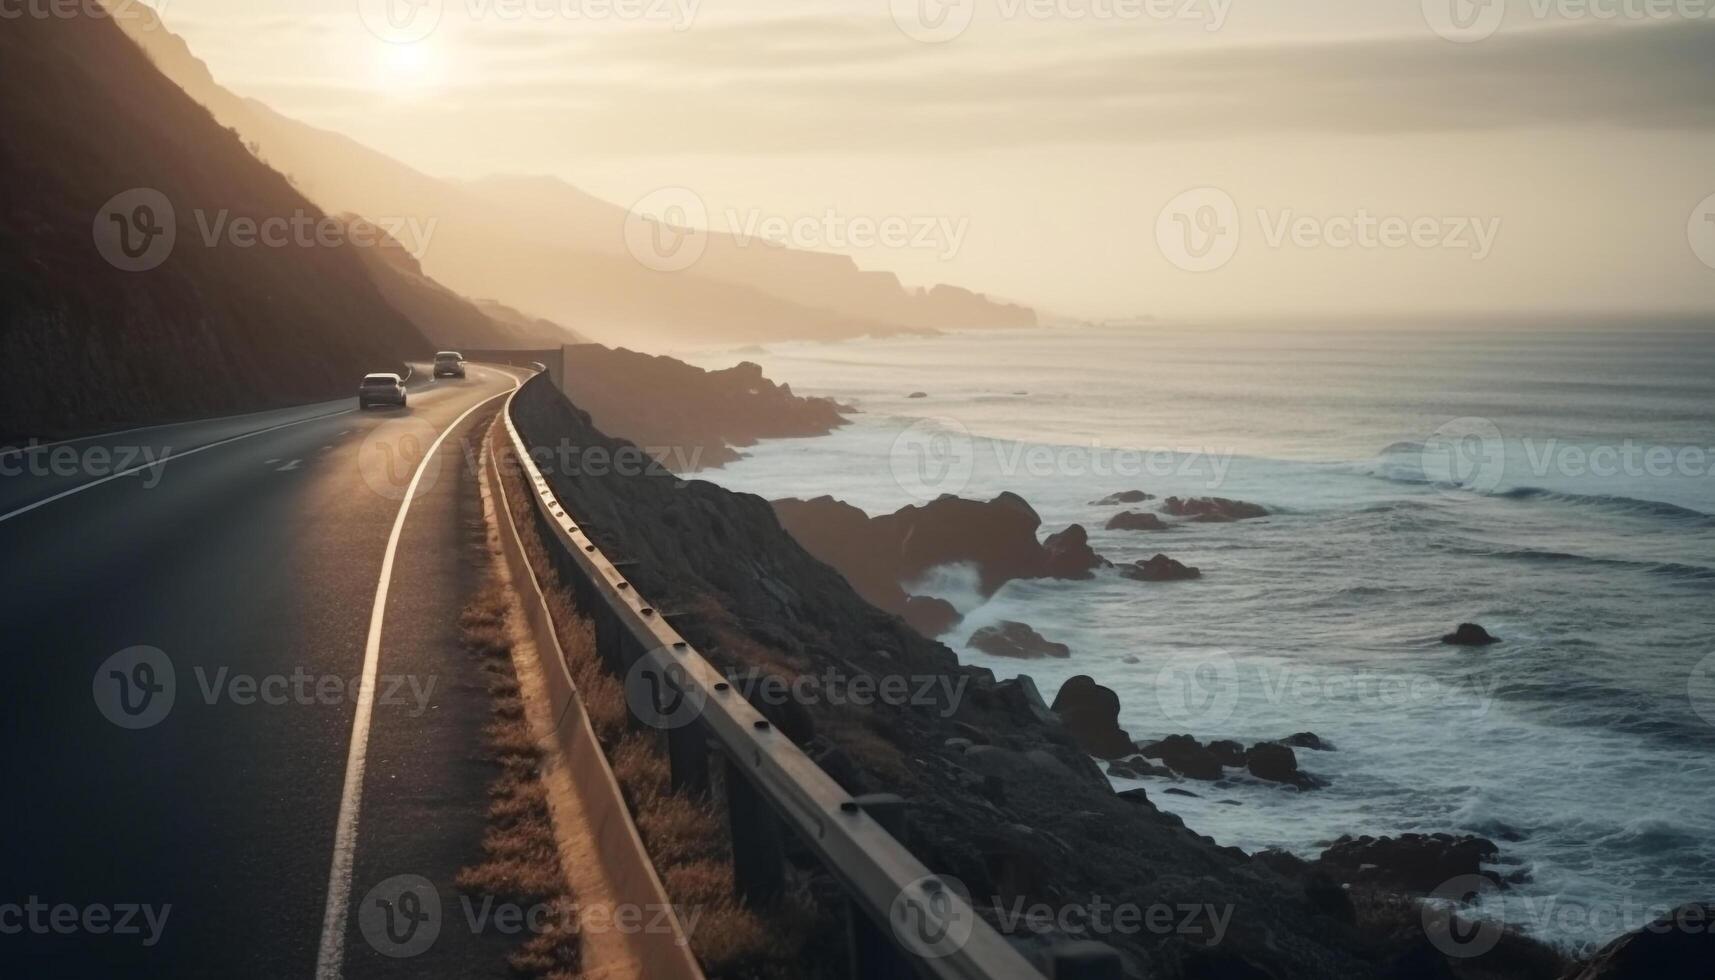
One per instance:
[(521, 861), (686, 836)]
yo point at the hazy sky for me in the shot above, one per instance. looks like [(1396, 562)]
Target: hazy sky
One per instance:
[(1094, 157)]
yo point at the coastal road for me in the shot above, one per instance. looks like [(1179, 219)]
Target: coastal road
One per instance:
[(198, 779)]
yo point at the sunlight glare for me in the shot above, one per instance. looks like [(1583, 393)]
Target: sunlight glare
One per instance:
[(406, 71)]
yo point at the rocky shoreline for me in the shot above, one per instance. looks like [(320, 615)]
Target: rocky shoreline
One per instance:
[(1003, 789)]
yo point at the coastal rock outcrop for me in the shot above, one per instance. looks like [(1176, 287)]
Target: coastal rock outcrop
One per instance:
[(1123, 497), (1091, 713), (711, 415), (1413, 863), (931, 616), (1229, 752), (1136, 520), (839, 535), (1160, 569), (1277, 763), (1184, 755), (1212, 510), (995, 537), (1069, 555), (1677, 946), (1018, 641), (1307, 740), (1470, 635)]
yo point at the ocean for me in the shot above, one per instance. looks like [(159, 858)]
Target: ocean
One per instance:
[(1550, 482)]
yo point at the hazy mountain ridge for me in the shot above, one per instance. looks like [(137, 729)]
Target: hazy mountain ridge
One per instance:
[(220, 324), (560, 252), (445, 318)]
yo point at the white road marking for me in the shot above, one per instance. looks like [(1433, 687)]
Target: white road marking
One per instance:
[(330, 963), (289, 466), (160, 462)]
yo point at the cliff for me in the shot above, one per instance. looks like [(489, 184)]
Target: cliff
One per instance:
[(128, 289)]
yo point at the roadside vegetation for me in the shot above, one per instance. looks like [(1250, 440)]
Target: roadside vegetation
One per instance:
[(686, 836), (521, 863)]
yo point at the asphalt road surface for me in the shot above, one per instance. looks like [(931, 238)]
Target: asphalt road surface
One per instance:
[(199, 782)]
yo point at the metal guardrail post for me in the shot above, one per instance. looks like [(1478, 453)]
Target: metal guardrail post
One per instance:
[(688, 757), (875, 954), (758, 851), (1084, 960)]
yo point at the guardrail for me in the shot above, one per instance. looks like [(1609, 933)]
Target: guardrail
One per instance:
[(629, 875), (903, 921)]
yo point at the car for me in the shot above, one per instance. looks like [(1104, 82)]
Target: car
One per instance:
[(381, 389), (449, 364)]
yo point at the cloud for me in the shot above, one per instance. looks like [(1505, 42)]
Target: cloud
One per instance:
[(814, 84)]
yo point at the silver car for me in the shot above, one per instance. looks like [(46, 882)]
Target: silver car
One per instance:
[(381, 389), (449, 364)]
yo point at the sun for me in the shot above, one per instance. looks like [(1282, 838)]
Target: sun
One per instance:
[(406, 71)]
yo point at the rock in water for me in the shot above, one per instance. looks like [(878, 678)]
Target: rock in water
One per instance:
[(1415, 863), (1307, 740), (998, 537), (1092, 714), (1278, 764), (1229, 752), (1160, 569), (1136, 520), (1070, 556), (1212, 510), (1123, 497), (1016, 640), (1470, 635), (931, 616), (1677, 946), (1185, 756)]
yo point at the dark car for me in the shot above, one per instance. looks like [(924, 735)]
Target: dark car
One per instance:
[(381, 389), (449, 364)]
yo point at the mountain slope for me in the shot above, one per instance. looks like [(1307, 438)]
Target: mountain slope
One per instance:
[(217, 326), (543, 245), (444, 317)]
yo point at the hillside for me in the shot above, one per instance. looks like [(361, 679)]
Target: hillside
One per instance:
[(443, 316), (219, 325), (544, 246)]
